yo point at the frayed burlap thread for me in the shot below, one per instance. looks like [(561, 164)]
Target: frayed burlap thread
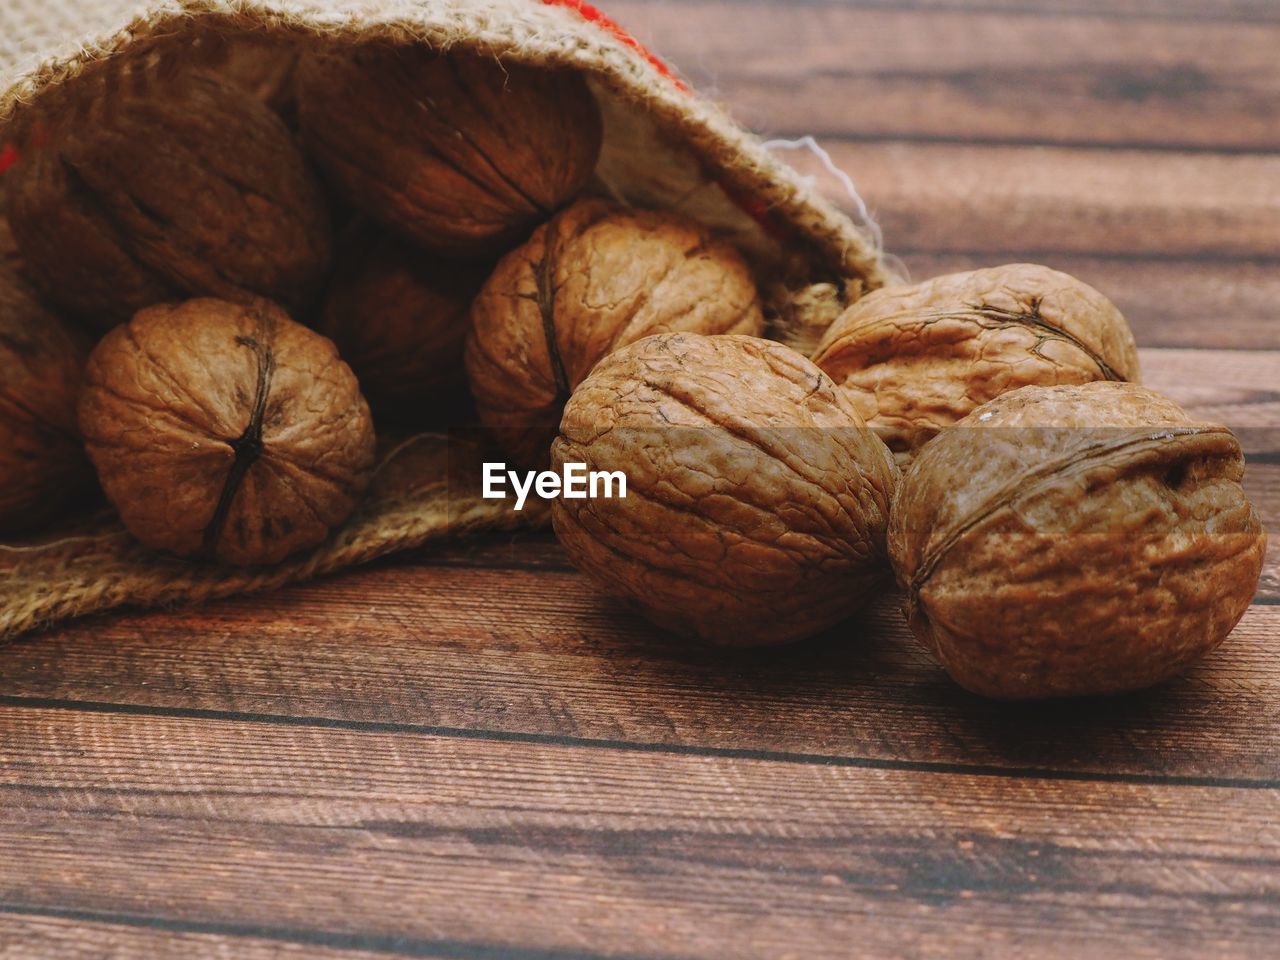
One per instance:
[(426, 489), (48, 47)]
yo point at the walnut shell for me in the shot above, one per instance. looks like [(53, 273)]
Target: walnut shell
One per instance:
[(226, 431), (916, 359), (266, 70), (1075, 540), (42, 462), (595, 278), (400, 319), (460, 154), (158, 197), (757, 500)]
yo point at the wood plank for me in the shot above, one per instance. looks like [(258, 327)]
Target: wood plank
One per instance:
[(545, 656), (1202, 11), (72, 935), (558, 848), (1017, 202), (1240, 388), (974, 75), (1168, 303)]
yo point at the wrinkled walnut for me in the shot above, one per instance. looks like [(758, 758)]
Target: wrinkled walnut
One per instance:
[(42, 463), (1075, 540), (198, 190), (460, 154), (916, 359), (757, 500), (400, 319), (595, 278), (226, 431)]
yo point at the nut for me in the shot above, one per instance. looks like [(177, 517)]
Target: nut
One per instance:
[(460, 154), (157, 197), (266, 70), (42, 463), (916, 359), (226, 431), (1075, 540), (400, 319), (595, 278), (757, 500)]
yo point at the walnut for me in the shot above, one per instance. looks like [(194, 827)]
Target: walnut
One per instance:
[(1075, 540), (266, 70), (199, 190), (757, 500), (226, 431), (595, 278), (458, 153), (400, 319), (916, 359), (42, 463)]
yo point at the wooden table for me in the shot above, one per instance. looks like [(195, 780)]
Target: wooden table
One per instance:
[(467, 753)]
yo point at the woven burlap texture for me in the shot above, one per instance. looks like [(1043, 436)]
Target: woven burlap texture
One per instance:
[(46, 44)]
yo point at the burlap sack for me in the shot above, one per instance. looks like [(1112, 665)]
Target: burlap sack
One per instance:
[(664, 147)]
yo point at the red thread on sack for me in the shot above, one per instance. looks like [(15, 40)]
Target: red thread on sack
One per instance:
[(596, 16), (8, 157), (752, 206)]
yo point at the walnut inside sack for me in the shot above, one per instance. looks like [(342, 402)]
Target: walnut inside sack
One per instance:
[(226, 431), (1073, 540), (194, 188), (757, 500), (915, 359), (459, 153), (593, 279), (400, 319), (42, 461), (265, 69)]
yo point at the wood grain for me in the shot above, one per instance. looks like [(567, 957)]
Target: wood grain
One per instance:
[(1240, 388), (545, 657), (1017, 202), (551, 847), (976, 73), (68, 934), (1199, 11)]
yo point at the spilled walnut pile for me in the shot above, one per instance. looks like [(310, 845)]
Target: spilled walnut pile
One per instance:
[(285, 258)]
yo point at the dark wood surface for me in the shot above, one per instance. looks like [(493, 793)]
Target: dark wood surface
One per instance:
[(467, 753)]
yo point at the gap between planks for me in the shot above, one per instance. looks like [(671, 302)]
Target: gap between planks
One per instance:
[(627, 746), (71, 933)]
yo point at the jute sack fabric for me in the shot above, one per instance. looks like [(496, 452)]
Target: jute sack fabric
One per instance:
[(664, 146)]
